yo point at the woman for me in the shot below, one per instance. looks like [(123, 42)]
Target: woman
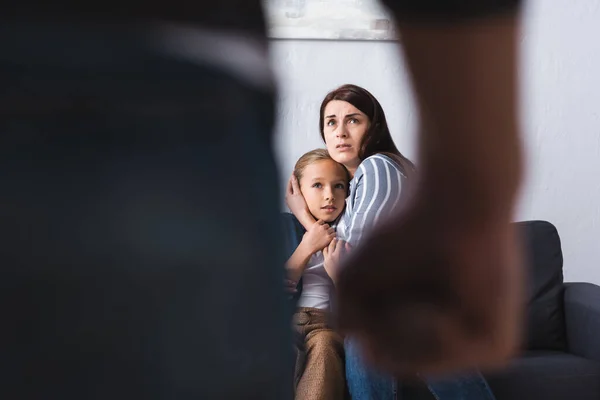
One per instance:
[(354, 129)]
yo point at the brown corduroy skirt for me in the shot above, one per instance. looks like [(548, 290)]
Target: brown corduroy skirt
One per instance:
[(320, 373)]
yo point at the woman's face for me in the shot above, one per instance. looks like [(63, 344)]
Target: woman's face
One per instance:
[(344, 129)]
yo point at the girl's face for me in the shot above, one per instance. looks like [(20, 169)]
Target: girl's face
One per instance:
[(344, 129), (324, 185)]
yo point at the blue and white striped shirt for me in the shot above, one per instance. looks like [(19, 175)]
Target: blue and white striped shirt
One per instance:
[(375, 192)]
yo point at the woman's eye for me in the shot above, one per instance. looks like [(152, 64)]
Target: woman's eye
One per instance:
[(353, 121), (330, 122)]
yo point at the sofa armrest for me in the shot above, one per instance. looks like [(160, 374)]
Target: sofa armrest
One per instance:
[(582, 317)]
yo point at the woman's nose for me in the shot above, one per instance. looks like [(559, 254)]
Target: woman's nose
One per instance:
[(341, 132)]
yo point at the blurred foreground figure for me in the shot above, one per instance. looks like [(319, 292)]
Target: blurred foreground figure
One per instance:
[(130, 131)]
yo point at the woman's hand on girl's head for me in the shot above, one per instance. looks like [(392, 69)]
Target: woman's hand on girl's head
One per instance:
[(318, 236), (334, 255), (296, 203)]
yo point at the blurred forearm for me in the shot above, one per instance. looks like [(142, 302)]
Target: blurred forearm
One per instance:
[(465, 83)]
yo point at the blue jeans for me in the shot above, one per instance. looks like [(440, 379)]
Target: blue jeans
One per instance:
[(367, 384), (133, 188)]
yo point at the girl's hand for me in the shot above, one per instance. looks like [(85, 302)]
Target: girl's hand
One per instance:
[(318, 236), (334, 254)]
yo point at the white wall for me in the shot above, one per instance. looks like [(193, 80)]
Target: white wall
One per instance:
[(561, 114)]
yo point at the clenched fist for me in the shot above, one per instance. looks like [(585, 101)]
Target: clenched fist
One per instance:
[(425, 297)]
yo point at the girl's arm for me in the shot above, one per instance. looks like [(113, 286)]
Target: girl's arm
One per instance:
[(297, 262)]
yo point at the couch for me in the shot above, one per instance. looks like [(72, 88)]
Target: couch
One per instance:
[(560, 358)]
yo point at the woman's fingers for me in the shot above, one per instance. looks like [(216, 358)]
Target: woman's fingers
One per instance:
[(295, 185), (293, 188), (290, 286), (289, 189), (331, 230), (290, 283)]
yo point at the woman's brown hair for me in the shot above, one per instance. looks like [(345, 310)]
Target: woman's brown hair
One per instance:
[(378, 138)]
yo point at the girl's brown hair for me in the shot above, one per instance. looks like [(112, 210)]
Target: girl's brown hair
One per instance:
[(378, 138)]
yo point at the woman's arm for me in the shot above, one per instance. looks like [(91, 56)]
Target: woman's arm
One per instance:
[(305, 218), (378, 190)]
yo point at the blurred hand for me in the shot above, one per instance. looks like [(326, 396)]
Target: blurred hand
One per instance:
[(421, 296)]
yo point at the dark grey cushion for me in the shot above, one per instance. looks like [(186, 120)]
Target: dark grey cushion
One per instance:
[(582, 313), (547, 375), (545, 326), (540, 375)]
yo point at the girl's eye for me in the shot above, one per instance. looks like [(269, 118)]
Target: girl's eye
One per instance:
[(316, 185), (340, 186)]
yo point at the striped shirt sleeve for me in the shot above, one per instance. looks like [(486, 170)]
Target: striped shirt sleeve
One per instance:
[(378, 189)]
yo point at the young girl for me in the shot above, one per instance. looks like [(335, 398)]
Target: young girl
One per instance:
[(320, 363)]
